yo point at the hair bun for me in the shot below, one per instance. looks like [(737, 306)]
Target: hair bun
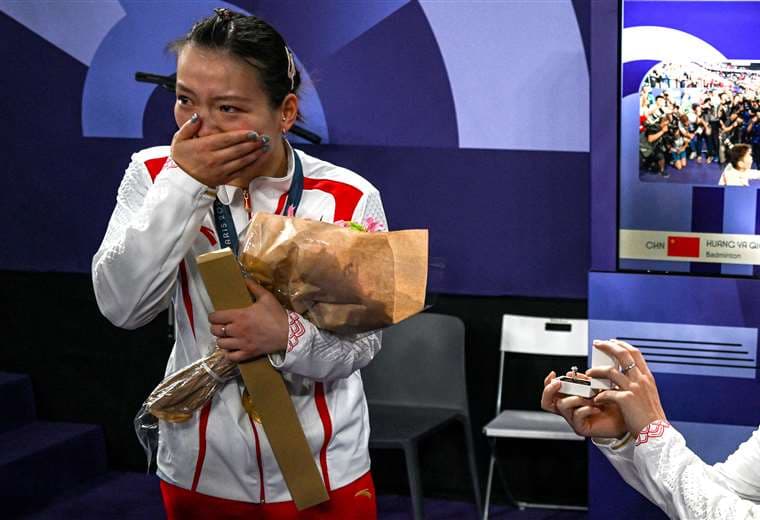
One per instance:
[(223, 13)]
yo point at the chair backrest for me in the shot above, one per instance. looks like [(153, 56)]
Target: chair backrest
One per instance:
[(547, 336), (421, 363)]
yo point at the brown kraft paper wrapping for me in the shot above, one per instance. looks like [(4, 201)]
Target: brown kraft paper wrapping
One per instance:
[(226, 288), (341, 280)]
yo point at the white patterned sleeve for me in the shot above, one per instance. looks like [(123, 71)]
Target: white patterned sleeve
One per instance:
[(371, 208), (319, 354), (151, 229), (683, 486), (620, 454)]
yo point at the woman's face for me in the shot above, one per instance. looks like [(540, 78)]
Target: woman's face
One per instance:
[(226, 93)]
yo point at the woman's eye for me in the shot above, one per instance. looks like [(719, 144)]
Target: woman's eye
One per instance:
[(183, 100), (228, 108)]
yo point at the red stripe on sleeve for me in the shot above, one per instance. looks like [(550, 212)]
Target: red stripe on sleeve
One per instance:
[(186, 295), (324, 415), (202, 424)]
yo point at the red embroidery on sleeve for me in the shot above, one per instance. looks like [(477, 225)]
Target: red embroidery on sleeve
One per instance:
[(295, 331), (652, 431)]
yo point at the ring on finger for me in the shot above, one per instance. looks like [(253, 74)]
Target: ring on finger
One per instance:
[(627, 367), (224, 331)]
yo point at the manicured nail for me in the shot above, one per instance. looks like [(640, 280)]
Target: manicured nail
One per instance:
[(253, 136), (597, 342), (194, 118), (266, 147), (265, 139)]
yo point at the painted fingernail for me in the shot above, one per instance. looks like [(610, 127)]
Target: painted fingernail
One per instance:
[(266, 147), (597, 342), (265, 139), (194, 118), (253, 136)]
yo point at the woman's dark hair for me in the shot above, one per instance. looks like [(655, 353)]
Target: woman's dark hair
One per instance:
[(253, 40), (737, 153)]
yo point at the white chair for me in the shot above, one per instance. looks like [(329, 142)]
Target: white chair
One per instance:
[(540, 336)]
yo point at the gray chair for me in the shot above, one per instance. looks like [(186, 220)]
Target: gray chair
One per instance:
[(415, 386), (539, 336)]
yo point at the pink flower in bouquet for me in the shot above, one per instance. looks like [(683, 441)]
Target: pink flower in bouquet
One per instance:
[(373, 225)]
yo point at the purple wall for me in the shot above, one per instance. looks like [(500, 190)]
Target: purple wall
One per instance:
[(605, 98), (410, 94)]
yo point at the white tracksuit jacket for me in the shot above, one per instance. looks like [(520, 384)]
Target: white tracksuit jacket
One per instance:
[(163, 219), (660, 467)]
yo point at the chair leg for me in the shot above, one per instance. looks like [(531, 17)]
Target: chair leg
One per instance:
[(473, 466), (504, 484), (487, 504), (415, 480)]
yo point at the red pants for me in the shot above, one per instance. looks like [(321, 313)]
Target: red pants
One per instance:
[(353, 501)]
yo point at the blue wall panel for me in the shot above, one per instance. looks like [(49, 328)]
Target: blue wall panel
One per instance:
[(699, 402), (407, 93)]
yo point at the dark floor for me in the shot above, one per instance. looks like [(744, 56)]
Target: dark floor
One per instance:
[(135, 496), (399, 507), (694, 173)]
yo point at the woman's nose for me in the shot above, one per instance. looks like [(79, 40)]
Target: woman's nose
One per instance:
[(209, 125)]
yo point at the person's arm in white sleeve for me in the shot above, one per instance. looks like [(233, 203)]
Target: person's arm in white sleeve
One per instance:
[(150, 231), (741, 470), (674, 478), (619, 453), (683, 486), (322, 355)]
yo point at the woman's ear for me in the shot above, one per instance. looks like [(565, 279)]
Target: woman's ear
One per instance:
[(289, 109)]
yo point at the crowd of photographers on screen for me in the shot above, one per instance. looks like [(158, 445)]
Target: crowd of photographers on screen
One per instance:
[(692, 116)]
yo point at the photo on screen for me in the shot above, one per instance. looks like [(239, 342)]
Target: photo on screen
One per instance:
[(699, 124), (688, 138)]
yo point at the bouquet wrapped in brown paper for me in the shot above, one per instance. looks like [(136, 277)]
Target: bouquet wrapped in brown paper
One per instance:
[(180, 394), (339, 279), (186, 390)]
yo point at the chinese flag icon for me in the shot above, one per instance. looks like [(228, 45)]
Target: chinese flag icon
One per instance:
[(683, 246)]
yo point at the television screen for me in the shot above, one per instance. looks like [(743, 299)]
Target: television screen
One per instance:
[(690, 138)]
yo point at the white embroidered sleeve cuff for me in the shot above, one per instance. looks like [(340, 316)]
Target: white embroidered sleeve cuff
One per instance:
[(296, 331)]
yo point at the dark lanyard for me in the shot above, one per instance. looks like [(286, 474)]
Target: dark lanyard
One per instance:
[(225, 225)]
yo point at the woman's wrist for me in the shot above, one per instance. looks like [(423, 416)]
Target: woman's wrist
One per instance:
[(614, 443), (621, 441), (652, 430)]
